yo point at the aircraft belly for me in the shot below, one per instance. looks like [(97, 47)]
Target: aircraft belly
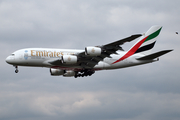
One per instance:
[(100, 65)]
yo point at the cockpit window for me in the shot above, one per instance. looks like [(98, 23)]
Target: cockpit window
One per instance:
[(12, 54)]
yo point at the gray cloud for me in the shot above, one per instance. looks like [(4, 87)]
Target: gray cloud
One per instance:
[(144, 92)]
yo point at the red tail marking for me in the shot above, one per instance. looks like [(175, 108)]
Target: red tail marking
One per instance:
[(131, 51)]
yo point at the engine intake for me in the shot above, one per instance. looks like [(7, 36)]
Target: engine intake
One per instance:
[(69, 59), (93, 51), (56, 72)]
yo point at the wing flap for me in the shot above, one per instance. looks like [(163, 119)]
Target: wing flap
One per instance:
[(154, 55)]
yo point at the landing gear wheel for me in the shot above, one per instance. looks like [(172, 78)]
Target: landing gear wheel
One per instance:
[(84, 73), (16, 71)]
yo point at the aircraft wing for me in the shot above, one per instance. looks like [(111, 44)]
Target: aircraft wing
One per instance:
[(90, 61), (121, 42)]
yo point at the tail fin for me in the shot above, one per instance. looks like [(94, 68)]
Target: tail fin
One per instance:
[(144, 44), (148, 40)]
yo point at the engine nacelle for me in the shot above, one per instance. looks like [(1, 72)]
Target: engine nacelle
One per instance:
[(69, 73), (56, 72), (93, 51), (69, 59)]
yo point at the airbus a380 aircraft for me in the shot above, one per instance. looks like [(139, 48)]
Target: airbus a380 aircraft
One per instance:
[(80, 63)]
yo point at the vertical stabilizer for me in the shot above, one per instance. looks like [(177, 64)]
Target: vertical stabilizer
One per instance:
[(148, 40), (144, 44)]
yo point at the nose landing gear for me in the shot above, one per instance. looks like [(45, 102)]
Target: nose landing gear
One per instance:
[(16, 71)]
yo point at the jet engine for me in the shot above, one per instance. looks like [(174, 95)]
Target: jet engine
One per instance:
[(69, 73), (69, 59), (93, 51), (56, 72)]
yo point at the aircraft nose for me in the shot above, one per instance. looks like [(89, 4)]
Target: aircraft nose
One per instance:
[(9, 59)]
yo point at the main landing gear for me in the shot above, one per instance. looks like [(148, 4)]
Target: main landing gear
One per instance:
[(16, 71), (85, 73)]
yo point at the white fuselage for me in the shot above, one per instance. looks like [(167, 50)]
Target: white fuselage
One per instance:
[(40, 57), (80, 63)]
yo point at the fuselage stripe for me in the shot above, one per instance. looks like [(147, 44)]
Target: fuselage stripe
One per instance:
[(131, 51)]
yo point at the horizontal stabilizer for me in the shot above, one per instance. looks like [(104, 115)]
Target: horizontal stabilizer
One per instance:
[(154, 55)]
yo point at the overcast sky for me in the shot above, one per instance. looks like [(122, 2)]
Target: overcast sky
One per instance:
[(146, 92)]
